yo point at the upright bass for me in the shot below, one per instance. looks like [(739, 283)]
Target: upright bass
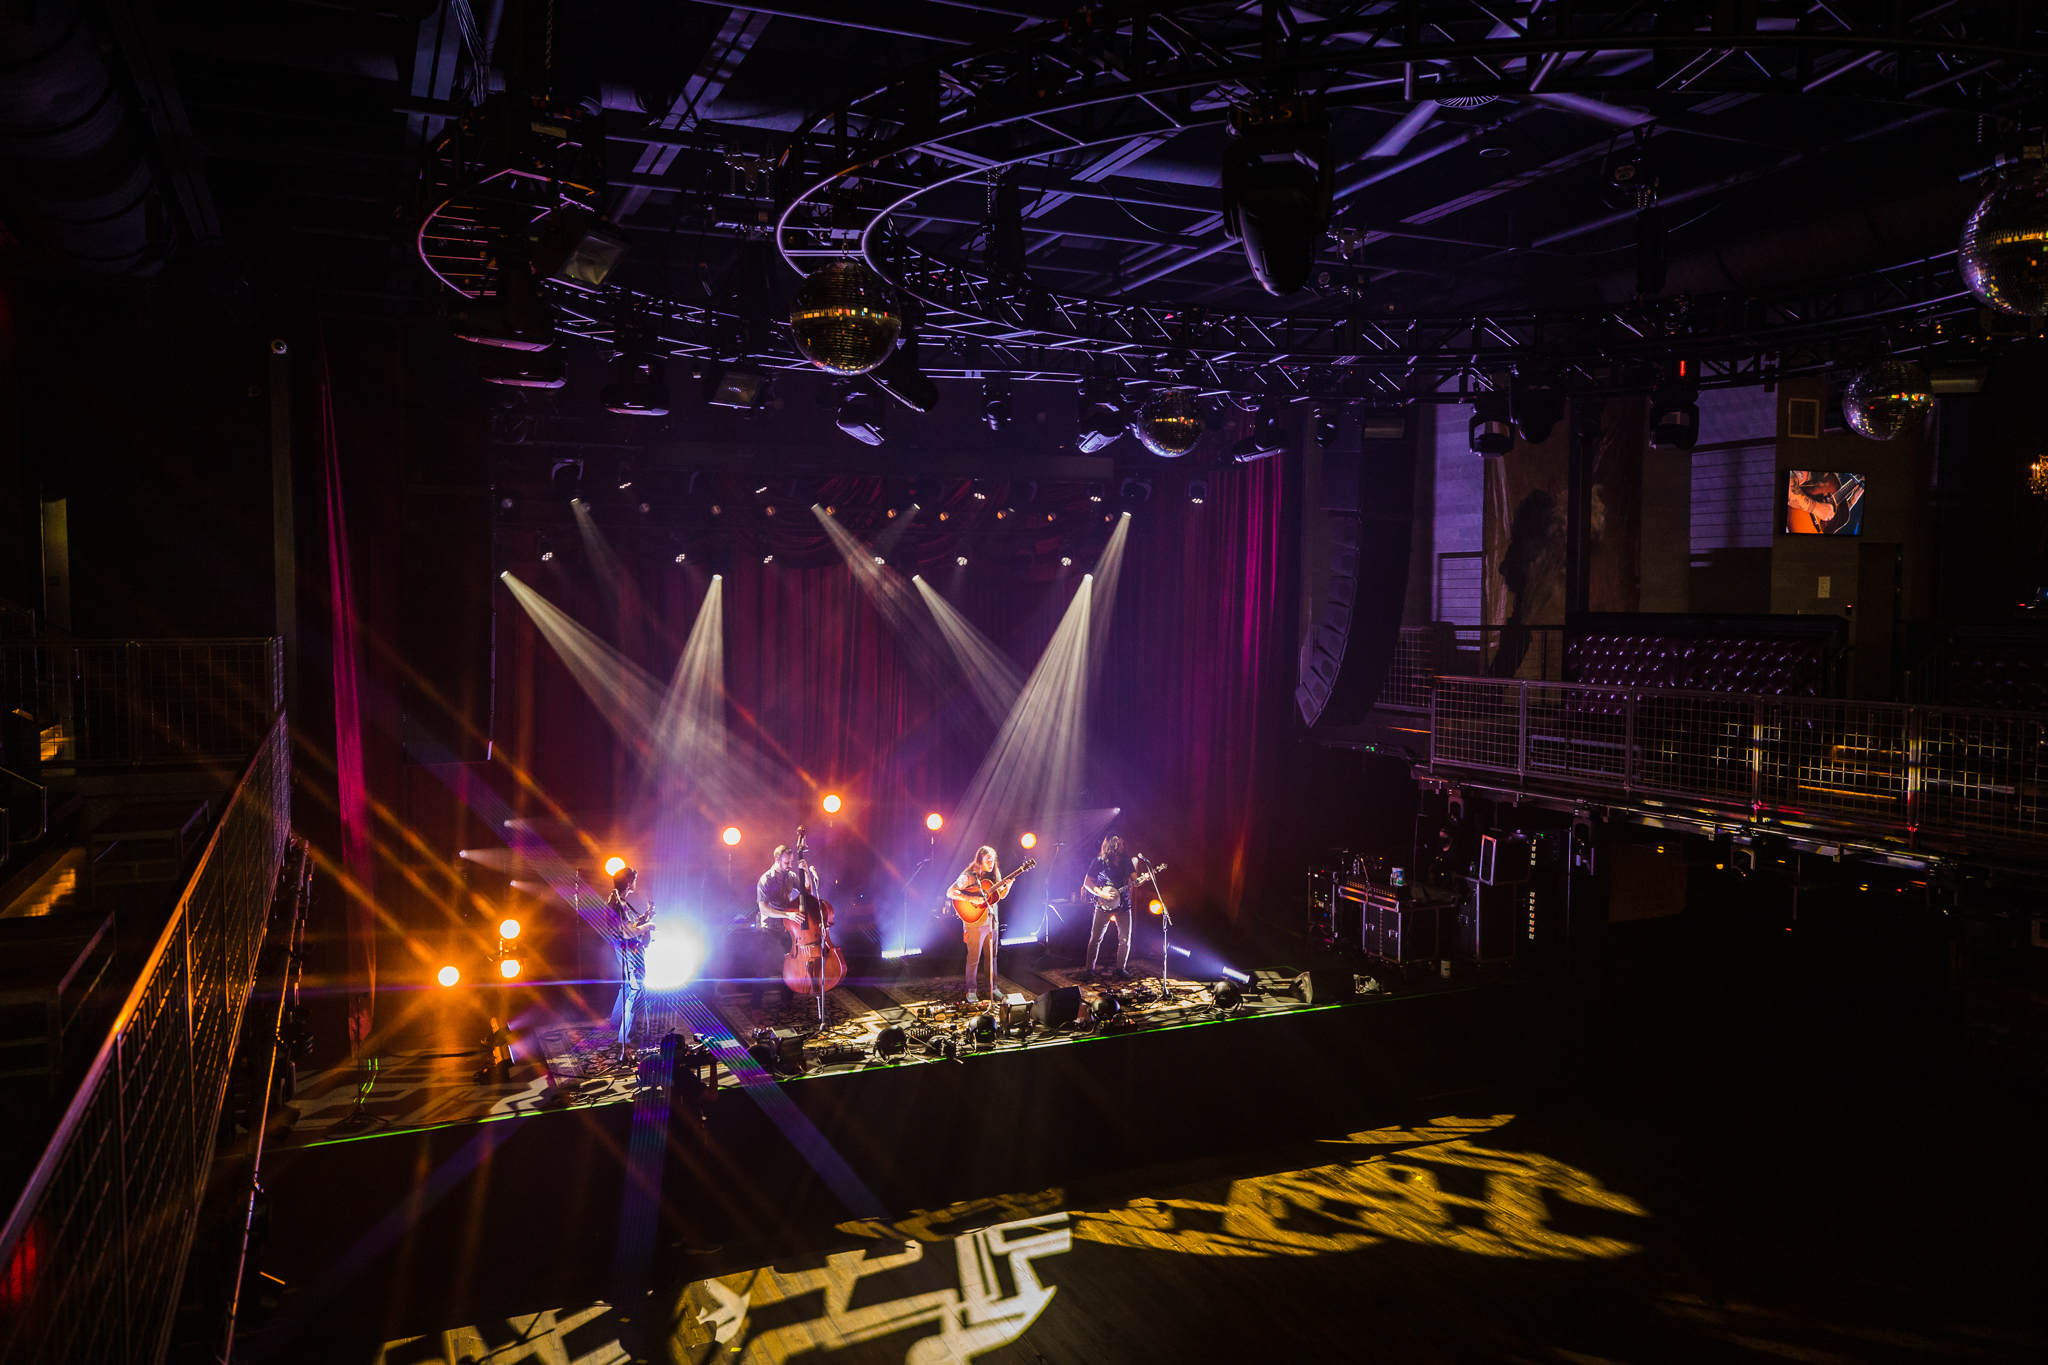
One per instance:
[(813, 965)]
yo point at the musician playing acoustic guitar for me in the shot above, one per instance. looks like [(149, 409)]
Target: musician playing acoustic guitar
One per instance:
[(981, 933)]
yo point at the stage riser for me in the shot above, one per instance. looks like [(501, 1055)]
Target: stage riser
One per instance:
[(921, 1136)]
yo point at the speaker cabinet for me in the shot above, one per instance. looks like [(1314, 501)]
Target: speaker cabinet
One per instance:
[(1060, 1005), (1363, 586)]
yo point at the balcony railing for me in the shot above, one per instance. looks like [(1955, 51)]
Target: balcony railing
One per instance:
[(1924, 777), (1423, 652), (145, 701), (94, 1247)]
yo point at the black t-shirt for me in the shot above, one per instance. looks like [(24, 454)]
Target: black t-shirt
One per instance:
[(1114, 872), (778, 890)]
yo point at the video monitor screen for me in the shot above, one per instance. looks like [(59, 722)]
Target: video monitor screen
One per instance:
[(1823, 502)]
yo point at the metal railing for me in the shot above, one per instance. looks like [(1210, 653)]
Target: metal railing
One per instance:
[(94, 1247), (1924, 776), (1422, 653), (146, 701)]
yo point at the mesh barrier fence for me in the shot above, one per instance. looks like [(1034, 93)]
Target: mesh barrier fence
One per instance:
[(1923, 775), (145, 701), (93, 1249)]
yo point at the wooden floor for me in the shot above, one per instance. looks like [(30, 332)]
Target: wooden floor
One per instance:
[(1713, 1168)]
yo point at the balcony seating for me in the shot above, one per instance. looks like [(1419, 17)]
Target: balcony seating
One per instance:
[(1771, 655)]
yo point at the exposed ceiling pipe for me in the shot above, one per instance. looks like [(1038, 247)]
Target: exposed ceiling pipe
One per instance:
[(74, 181)]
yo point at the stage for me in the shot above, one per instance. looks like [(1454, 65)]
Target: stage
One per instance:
[(1533, 1166), (565, 1051)]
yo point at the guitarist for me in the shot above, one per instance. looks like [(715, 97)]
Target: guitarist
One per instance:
[(982, 934), (1110, 873)]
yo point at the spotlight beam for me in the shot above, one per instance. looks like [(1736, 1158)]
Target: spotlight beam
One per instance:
[(994, 680), (1109, 567), (1035, 763)]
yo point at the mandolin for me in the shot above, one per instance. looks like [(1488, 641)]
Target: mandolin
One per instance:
[(1110, 895), (972, 905)]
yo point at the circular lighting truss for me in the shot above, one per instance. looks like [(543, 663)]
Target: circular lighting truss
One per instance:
[(1051, 99)]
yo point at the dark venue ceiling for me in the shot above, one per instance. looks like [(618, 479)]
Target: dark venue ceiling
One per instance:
[(1793, 144), (1041, 185)]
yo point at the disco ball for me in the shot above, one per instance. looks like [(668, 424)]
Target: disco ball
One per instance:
[(2004, 251), (1170, 422), (1887, 400), (844, 320)]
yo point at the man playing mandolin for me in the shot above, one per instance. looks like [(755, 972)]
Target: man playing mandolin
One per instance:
[(1108, 884)]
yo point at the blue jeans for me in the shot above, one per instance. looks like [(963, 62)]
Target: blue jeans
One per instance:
[(629, 997)]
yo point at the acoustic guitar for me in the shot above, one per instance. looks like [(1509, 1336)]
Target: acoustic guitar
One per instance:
[(971, 905)]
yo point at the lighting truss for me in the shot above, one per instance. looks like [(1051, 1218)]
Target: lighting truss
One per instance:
[(1061, 97), (1069, 98)]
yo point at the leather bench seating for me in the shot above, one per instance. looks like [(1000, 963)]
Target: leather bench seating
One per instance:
[(1774, 665)]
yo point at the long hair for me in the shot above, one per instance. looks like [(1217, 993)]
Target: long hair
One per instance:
[(1109, 839), (974, 865)]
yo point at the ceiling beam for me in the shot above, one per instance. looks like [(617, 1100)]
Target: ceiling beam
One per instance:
[(719, 64)]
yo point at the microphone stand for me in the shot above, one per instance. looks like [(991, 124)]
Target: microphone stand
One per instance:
[(903, 940), (1151, 878)]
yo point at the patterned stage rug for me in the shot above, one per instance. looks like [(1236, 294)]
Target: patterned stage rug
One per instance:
[(949, 991), (847, 1016), (419, 1090), (1143, 971)]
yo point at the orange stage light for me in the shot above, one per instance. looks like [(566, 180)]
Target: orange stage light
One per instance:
[(509, 968), (448, 976), (614, 865), (508, 928), (934, 822), (731, 836), (1029, 841), (832, 803)]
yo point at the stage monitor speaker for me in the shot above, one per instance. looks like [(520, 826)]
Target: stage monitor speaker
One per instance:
[(1326, 986), (1358, 575), (1060, 1005)]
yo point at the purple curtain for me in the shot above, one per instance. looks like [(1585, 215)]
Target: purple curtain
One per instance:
[(358, 846), (1183, 714)]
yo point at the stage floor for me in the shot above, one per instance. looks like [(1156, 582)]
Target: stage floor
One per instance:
[(566, 1053)]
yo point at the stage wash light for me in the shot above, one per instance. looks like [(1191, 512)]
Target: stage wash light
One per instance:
[(832, 804), (448, 976), (614, 865), (674, 956), (508, 928), (935, 822), (731, 836), (509, 968)]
